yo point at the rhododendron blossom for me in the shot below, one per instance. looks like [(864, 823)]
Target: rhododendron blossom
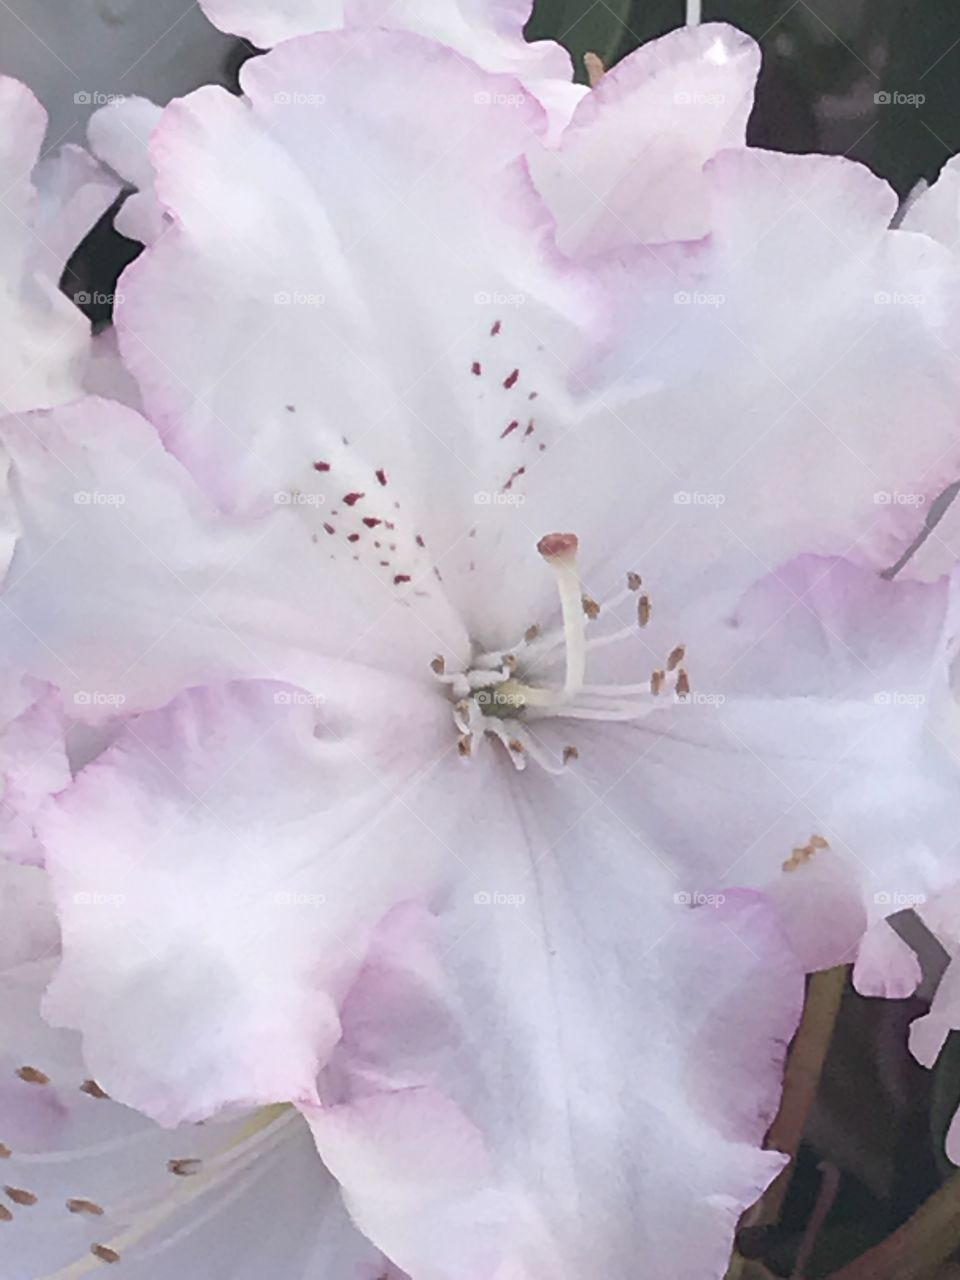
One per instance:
[(500, 700)]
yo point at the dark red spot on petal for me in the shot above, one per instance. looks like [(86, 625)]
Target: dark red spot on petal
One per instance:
[(511, 426), (400, 577), (475, 368), (371, 521), (496, 329), (353, 537), (329, 527), (321, 466), (420, 541), (529, 430), (511, 379), (381, 475), (351, 499)]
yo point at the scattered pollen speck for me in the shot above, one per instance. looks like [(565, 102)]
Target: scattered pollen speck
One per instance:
[(104, 1253)]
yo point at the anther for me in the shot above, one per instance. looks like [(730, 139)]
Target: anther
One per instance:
[(185, 1168), (465, 746), (93, 1089), (656, 681), (32, 1075), (677, 655), (643, 610), (634, 581), (570, 753), (683, 684), (5, 1152), (5, 1214), (531, 633), (21, 1197), (437, 665), (590, 607)]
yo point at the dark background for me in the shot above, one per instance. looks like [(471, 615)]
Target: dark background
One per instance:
[(824, 62)]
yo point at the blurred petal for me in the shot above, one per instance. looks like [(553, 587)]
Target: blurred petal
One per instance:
[(33, 762), (78, 54)]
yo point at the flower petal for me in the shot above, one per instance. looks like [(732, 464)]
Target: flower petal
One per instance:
[(494, 1106), (33, 761), (190, 595), (322, 376), (808, 745), (782, 427), (247, 838), (489, 31), (46, 209), (119, 133), (88, 1181), (628, 169)]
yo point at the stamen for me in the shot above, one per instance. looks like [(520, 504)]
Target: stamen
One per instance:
[(560, 552), (499, 693)]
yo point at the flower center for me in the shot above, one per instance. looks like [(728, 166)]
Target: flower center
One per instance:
[(500, 696)]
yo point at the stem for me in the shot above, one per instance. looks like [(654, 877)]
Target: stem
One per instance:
[(915, 1250), (800, 1082)]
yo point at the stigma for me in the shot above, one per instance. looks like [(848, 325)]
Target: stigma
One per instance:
[(506, 695)]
